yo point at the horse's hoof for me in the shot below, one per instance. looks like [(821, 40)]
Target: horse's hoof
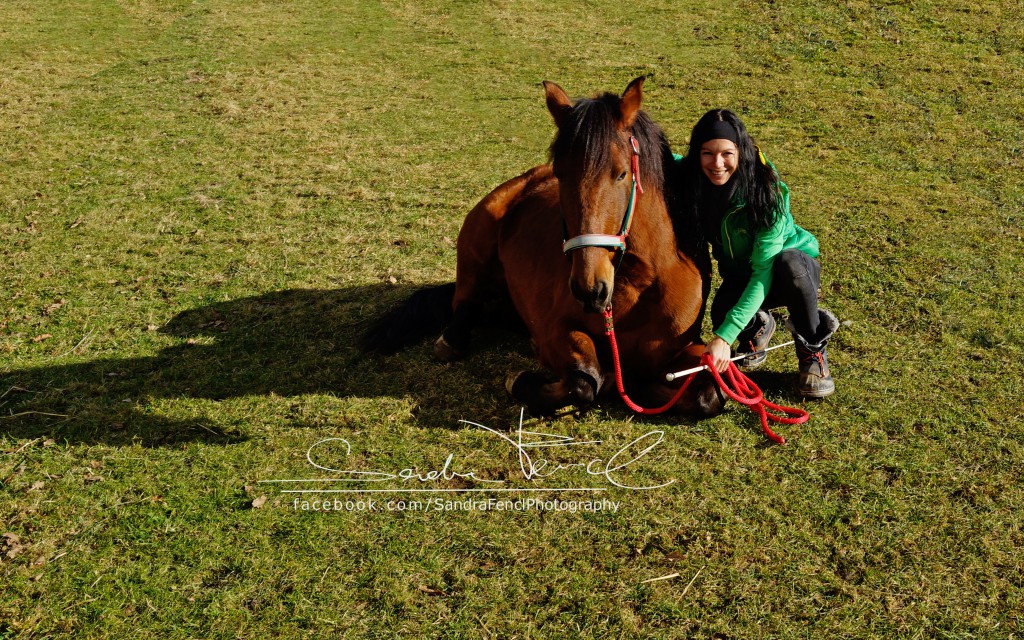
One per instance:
[(525, 388), (446, 352), (510, 381)]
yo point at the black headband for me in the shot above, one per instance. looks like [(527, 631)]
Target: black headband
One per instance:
[(717, 129)]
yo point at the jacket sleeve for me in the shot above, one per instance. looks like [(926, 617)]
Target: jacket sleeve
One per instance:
[(767, 245)]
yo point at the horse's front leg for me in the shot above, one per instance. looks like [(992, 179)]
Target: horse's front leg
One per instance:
[(575, 357)]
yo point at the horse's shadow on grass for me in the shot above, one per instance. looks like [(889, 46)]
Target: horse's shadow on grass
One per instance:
[(287, 344)]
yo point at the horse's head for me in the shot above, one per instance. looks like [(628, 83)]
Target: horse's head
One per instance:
[(594, 159)]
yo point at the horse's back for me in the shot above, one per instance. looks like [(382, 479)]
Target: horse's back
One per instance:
[(479, 262), (484, 220)]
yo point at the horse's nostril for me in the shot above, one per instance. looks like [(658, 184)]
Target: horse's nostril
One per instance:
[(576, 292), (594, 299)]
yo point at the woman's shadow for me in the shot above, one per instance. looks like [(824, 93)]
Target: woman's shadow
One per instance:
[(285, 343)]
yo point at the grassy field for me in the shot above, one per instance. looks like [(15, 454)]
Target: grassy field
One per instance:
[(203, 204)]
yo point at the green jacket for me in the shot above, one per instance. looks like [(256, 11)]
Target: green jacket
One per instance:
[(742, 253)]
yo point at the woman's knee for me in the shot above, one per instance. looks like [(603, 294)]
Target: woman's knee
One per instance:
[(792, 265), (796, 269)]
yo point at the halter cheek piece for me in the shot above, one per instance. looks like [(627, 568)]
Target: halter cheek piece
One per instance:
[(603, 240)]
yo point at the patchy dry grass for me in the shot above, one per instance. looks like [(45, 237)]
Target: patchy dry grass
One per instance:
[(204, 202)]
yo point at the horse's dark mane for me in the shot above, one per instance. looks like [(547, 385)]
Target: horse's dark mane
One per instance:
[(588, 133), (592, 127)]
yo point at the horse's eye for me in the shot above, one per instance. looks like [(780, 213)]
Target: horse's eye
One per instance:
[(621, 177)]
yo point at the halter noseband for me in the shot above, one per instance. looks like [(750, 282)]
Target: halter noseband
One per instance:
[(604, 240)]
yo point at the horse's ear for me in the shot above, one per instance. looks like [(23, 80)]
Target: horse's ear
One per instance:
[(559, 103), (631, 99)]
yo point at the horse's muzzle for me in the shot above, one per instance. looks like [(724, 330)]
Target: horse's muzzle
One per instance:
[(595, 299)]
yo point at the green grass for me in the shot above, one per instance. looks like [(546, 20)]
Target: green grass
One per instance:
[(204, 203)]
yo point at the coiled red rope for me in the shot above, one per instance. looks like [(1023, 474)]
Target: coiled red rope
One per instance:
[(739, 387)]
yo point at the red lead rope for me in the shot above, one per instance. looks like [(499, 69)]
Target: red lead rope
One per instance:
[(740, 388)]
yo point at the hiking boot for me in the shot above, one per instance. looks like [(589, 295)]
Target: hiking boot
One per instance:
[(815, 379), (754, 339)]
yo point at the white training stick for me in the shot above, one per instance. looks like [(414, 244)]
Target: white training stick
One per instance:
[(680, 374)]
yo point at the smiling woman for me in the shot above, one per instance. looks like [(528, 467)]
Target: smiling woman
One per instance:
[(719, 159), (764, 258)]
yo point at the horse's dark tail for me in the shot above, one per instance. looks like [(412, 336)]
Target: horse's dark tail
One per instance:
[(427, 312)]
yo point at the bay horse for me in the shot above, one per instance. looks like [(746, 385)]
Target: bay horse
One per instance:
[(567, 239)]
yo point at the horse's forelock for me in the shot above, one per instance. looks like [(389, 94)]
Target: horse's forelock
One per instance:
[(590, 130)]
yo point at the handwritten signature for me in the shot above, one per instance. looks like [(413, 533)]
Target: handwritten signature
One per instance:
[(531, 464)]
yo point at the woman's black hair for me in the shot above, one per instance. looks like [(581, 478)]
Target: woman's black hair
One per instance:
[(755, 181)]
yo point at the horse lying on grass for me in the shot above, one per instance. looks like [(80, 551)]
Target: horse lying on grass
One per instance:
[(564, 242)]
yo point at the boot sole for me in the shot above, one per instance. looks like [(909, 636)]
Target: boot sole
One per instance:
[(752, 363), (817, 395)]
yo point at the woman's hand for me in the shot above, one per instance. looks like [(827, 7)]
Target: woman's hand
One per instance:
[(720, 352)]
